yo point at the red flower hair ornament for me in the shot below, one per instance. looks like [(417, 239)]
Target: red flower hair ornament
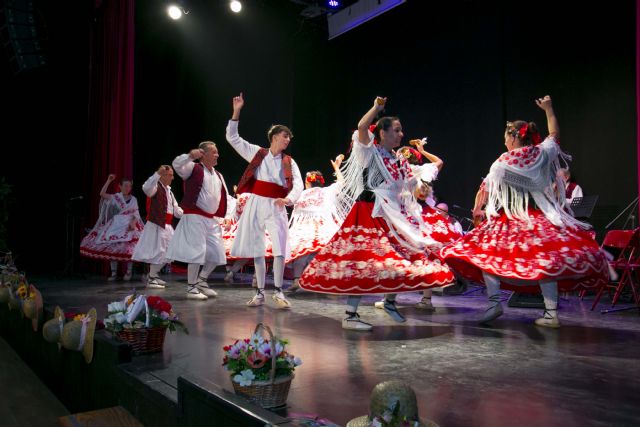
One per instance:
[(314, 177)]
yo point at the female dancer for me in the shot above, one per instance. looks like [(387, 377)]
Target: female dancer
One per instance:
[(314, 220), (436, 225), (118, 229), (522, 245), (381, 246)]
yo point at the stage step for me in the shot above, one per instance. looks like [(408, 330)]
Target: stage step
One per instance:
[(26, 401), (109, 417)]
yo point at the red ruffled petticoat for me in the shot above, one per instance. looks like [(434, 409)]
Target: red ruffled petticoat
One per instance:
[(363, 257), (438, 227), (510, 248)]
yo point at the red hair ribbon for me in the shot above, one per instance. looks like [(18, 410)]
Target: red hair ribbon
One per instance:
[(407, 152)]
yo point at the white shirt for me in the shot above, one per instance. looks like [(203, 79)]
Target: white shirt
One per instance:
[(577, 192), (270, 170), (150, 187), (209, 197)]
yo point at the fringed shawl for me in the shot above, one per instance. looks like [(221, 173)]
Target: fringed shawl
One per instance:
[(394, 202), (530, 171)]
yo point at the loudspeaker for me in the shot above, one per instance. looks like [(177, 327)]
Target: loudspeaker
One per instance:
[(18, 28), (526, 300)]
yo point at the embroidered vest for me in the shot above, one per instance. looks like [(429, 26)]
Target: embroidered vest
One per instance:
[(192, 187), (157, 207), (569, 190), (248, 177)]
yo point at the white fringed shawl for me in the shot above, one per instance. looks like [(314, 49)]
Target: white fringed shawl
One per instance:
[(529, 171), (392, 196)]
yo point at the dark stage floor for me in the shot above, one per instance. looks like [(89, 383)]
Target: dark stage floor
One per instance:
[(511, 374)]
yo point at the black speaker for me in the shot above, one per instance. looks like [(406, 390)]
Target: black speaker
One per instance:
[(20, 35), (526, 300)]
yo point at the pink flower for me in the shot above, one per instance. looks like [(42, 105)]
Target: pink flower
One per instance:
[(256, 360)]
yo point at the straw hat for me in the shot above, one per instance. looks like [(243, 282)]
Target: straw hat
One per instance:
[(32, 307), (52, 328), (14, 302), (77, 335), (5, 290), (384, 397)]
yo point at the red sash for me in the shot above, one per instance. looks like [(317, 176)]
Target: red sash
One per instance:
[(197, 211), (267, 189)]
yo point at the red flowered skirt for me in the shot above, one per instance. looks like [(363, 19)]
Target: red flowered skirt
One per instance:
[(117, 251), (438, 226), (363, 257), (512, 249)]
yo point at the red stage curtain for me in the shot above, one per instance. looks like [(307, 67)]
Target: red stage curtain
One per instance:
[(111, 97), (110, 109)]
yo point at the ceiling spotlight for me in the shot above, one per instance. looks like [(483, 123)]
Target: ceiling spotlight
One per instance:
[(333, 4), (174, 12), (235, 6)]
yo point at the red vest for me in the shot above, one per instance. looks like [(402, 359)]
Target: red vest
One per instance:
[(248, 181), (192, 187), (157, 207), (569, 190)]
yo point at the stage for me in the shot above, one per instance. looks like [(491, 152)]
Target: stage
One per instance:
[(512, 373)]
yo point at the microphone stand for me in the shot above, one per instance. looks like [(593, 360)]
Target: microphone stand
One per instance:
[(631, 217)]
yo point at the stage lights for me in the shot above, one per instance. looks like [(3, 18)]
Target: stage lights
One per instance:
[(174, 12), (235, 6), (333, 4)]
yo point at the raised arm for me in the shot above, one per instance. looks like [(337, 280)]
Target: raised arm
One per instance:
[(368, 118), (552, 122), (103, 191), (184, 163), (419, 144), (150, 186), (244, 148), (238, 103), (336, 167)]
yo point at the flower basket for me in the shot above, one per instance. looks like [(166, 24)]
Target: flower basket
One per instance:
[(268, 394), (144, 340), (272, 392), (142, 322)]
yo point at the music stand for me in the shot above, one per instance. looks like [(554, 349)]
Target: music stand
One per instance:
[(582, 207)]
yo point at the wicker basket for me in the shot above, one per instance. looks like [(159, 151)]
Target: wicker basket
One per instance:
[(144, 340), (271, 393)]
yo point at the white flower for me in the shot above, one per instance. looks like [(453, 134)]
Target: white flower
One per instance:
[(244, 378), (279, 348), (297, 361), (116, 307), (256, 340), (120, 318)]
